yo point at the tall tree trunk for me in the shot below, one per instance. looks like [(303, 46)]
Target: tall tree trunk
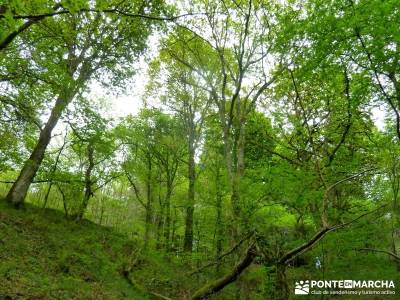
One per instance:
[(167, 228), (19, 189), (218, 222), (160, 225), (160, 219), (149, 209), (238, 170), (88, 182), (188, 240), (174, 243)]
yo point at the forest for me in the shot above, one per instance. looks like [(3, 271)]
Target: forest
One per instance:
[(256, 148)]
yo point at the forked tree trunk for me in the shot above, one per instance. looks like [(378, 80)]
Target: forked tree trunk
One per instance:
[(19, 189)]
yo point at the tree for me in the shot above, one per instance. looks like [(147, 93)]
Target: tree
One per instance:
[(360, 35), (154, 154), (191, 105), (95, 145), (89, 45)]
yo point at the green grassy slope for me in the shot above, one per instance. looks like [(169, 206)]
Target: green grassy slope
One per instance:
[(45, 256)]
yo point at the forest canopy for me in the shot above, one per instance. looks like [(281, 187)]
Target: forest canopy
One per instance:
[(258, 146)]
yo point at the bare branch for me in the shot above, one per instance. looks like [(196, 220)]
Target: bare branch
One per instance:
[(395, 256)]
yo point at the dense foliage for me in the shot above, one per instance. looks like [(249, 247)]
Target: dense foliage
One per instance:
[(256, 160)]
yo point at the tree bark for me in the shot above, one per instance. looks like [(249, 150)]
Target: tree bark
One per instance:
[(19, 189)]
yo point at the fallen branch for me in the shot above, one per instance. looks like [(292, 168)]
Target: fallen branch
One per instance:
[(160, 296), (219, 284), (139, 287)]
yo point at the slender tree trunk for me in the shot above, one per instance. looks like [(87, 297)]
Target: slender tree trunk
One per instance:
[(53, 171), (238, 172), (234, 159), (160, 219), (188, 240), (19, 189), (88, 182), (174, 244), (160, 225), (167, 228), (101, 210), (63, 200), (149, 209), (46, 197), (218, 222)]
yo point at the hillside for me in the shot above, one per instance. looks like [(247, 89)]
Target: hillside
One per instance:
[(45, 256)]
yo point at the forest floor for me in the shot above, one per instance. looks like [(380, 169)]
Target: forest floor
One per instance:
[(45, 256)]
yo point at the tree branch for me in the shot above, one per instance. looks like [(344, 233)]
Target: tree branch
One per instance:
[(230, 251), (381, 251), (288, 257), (219, 284)]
